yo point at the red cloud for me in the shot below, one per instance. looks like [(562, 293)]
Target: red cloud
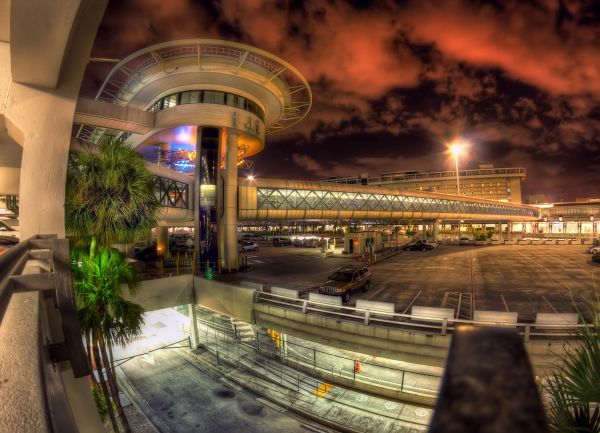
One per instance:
[(521, 39)]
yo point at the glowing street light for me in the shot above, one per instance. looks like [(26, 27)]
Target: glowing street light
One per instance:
[(456, 149), (250, 177)]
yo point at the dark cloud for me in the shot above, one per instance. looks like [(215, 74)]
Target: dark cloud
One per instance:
[(393, 82)]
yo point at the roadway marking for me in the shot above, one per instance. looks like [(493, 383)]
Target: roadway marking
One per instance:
[(438, 267), (322, 390)]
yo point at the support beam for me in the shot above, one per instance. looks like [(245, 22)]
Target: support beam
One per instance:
[(229, 219)]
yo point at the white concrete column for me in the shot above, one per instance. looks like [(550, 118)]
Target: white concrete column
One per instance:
[(229, 219), (434, 230), (41, 98), (162, 240)]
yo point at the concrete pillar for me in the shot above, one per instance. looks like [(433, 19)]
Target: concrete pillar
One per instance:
[(39, 116), (162, 241), (194, 336), (434, 230), (229, 219), (500, 232)]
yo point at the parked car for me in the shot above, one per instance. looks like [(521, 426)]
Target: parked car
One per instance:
[(466, 241), (421, 245), (298, 242), (311, 243), (245, 246), (343, 281), (594, 249), (251, 237), (282, 242), (596, 257)]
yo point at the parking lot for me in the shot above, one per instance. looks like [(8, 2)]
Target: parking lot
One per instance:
[(522, 278)]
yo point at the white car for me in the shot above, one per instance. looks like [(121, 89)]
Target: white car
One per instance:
[(245, 246), (594, 249)]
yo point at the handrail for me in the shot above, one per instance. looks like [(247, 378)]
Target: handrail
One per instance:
[(436, 325), (30, 329)]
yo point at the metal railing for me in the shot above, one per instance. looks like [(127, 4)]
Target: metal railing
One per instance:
[(413, 323), (37, 335), (263, 349)]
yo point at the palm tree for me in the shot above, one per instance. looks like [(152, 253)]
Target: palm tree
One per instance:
[(109, 199), (109, 195), (574, 391)]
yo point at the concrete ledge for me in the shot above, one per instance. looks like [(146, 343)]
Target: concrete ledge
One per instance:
[(399, 344)]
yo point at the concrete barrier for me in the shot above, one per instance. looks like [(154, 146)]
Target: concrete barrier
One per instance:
[(288, 293), (325, 299), (566, 319), (499, 318), (374, 306), (426, 314), (250, 285), (229, 299), (163, 292)]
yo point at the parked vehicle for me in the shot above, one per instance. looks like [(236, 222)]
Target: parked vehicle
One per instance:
[(282, 242), (594, 249), (596, 257), (343, 281), (421, 245), (466, 241), (311, 243), (298, 243), (245, 246), (251, 237)]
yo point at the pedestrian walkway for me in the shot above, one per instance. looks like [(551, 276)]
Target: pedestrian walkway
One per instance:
[(333, 406), (300, 390)]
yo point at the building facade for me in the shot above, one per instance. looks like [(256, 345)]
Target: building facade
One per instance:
[(502, 184)]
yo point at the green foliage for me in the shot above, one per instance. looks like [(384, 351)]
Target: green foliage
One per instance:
[(100, 401), (100, 302), (574, 391), (109, 194)]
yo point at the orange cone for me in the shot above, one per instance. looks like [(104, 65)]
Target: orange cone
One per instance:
[(357, 367)]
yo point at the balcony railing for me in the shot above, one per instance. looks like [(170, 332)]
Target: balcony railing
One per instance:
[(40, 337)]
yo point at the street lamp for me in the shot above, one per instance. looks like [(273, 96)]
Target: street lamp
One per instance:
[(456, 149)]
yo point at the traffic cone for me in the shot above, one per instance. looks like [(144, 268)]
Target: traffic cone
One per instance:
[(357, 367)]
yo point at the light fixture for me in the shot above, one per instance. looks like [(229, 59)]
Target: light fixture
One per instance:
[(250, 177)]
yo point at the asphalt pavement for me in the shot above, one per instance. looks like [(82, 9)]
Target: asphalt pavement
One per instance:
[(523, 278)]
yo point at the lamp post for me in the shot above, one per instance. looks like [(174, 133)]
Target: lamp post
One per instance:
[(455, 149)]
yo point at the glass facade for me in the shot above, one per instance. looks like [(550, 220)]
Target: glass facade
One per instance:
[(292, 199), (208, 97)]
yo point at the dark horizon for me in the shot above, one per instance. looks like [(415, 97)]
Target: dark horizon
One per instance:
[(393, 82)]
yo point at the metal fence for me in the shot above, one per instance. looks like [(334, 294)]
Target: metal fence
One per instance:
[(413, 323), (299, 363)]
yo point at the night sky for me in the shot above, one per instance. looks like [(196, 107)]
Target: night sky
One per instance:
[(393, 82)]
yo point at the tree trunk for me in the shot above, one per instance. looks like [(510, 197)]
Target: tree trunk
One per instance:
[(113, 385), (88, 351), (107, 397)]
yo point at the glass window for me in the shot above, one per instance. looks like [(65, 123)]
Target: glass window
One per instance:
[(185, 97), (213, 97), (241, 101), (230, 99), (170, 101), (195, 97)]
